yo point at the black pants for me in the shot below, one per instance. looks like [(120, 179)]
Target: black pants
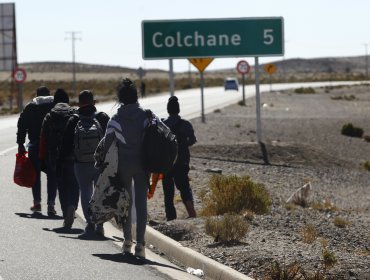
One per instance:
[(177, 176)]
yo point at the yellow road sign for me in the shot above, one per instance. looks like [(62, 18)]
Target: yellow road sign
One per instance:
[(201, 63), (270, 68)]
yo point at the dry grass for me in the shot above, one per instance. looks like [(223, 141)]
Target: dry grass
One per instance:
[(234, 194), (326, 205), (227, 228), (309, 234), (340, 222)]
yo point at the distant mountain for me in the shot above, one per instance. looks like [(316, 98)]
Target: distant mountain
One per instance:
[(296, 66), (60, 67)]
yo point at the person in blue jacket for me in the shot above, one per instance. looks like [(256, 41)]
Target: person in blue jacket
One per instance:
[(179, 174)]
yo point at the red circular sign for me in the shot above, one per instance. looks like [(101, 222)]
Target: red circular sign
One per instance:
[(19, 75), (243, 67)]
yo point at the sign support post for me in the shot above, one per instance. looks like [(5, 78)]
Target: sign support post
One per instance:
[(258, 101), (172, 80), (258, 112), (202, 95), (201, 64), (243, 68), (243, 81), (19, 76)]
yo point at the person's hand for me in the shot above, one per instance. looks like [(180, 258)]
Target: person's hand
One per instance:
[(21, 149)]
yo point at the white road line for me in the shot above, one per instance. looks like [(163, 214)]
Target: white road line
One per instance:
[(3, 153)]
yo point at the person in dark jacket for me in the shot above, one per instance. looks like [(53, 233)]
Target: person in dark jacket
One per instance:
[(51, 137), (179, 174), (86, 173), (29, 122)]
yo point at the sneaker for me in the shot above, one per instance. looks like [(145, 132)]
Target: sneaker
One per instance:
[(126, 247), (69, 217), (36, 208), (99, 230), (90, 228), (140, 251), (51, 210)]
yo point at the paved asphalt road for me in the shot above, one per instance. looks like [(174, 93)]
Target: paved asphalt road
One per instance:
[(35, 247)]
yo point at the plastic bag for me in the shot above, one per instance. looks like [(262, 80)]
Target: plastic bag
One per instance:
[(24, 172)]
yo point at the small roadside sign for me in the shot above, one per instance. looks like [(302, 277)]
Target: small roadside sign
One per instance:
[(243, 67), (201, 63), (270, 68), (19, 75)]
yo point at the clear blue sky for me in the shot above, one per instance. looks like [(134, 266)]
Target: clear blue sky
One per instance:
[(111, 29)]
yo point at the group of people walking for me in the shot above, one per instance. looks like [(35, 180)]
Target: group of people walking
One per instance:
[(62, 143)]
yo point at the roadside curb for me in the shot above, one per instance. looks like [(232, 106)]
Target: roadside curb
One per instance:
[(191, 258)]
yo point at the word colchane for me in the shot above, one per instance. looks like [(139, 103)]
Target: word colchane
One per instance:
[(196, 40)]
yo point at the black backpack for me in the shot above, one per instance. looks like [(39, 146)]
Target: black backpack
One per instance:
[(159, 146), (59, 117)]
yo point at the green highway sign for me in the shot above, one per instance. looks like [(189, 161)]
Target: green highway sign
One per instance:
[(213, 38)]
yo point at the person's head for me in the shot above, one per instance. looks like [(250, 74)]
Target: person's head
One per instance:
[(61, 96), (173, 106), (127, 92), (42, 91), (86, 98)]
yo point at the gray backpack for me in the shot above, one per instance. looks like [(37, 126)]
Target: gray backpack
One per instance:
[(88, 133)]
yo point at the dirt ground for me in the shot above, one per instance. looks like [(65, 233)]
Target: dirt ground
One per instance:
[(302, 133)]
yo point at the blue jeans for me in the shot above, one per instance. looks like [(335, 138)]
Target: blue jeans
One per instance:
[(33, 152), (68, 189), (86, 175)]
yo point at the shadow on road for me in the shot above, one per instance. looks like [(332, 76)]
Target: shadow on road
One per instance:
[(37, 215), (89, 236), (65, 230), (131, 259)]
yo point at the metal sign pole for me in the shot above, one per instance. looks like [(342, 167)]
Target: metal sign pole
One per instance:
[(172, 81), (20, 100), (258, 102), (202, 95), (243, 79)]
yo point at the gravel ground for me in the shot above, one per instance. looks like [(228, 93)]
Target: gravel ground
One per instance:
[(304, 143)]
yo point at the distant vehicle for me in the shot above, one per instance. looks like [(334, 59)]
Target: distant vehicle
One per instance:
[(231, 83)]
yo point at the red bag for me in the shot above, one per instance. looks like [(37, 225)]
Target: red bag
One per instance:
[(24, 172)]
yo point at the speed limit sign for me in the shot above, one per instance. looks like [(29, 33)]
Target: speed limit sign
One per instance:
[(243, 67), (19, 75)]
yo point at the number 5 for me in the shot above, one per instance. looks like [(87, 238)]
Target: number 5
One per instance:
[(268, 38)]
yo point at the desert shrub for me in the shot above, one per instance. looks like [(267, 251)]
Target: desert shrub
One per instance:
[(325, 205), (350, 130), (367, 165), (290, 206), (305, 90), (217, 111), (329, 259), (284, 272), (248, 215), (309, 233), (367, 138), (349, 97), (340, 222), (226, 228), (293, 271), (234, 194), (237, 125)]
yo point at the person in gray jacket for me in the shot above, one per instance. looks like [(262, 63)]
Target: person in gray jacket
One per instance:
[(128, 125)]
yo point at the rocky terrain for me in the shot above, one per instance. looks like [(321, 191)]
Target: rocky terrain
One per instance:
[(302, 133)]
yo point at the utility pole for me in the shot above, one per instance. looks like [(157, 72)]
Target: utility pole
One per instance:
[(366, 63), (73, 37)]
